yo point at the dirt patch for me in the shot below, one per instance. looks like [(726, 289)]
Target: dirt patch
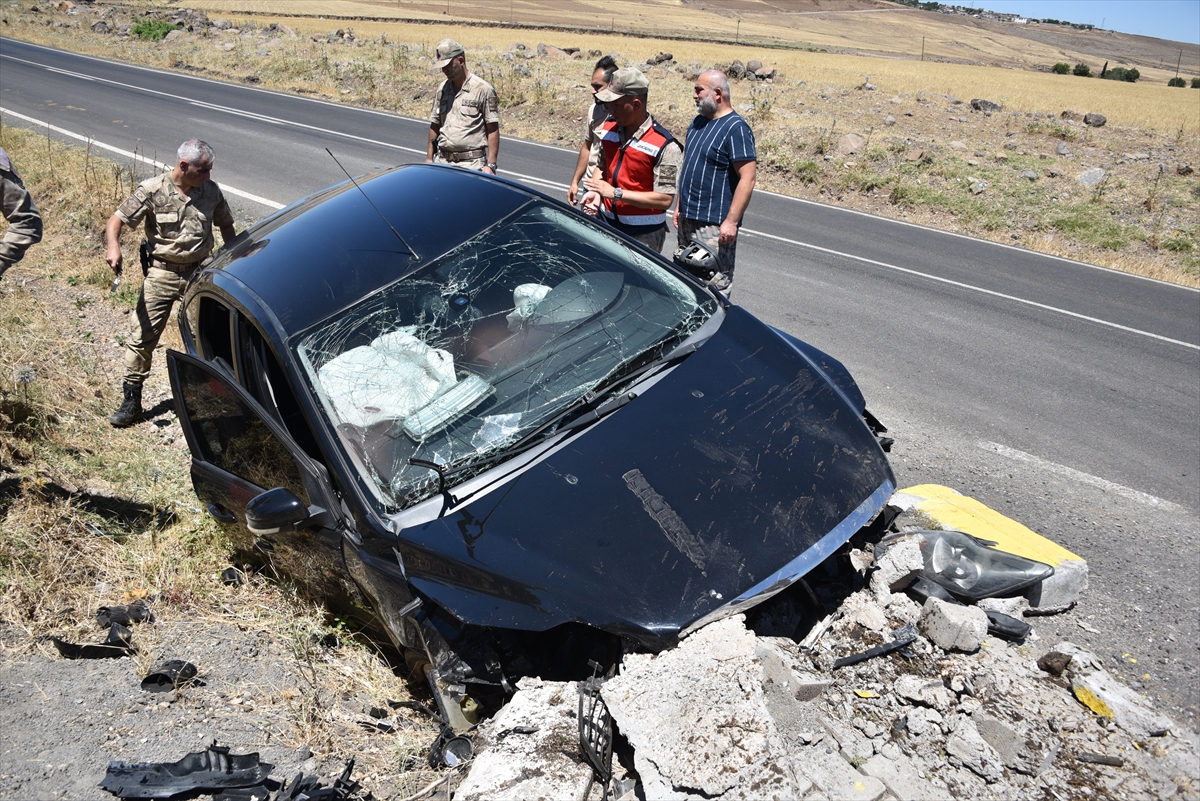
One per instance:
[(94, 516)]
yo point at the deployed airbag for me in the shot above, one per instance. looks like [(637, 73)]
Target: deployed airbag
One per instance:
[(391, 378)]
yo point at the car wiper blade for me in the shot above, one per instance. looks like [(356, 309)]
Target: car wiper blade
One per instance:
[(607, 386), (533, 438)]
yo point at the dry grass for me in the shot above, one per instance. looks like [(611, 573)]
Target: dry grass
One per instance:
[(1138, 220), (93, 516), (874, 26)]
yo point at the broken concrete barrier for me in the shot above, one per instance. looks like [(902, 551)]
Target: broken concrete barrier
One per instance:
[(686, 711), (834, 775), (968, 746), (1017, 751), (953, 627), (951, 510), (1103, 694), (896, 567), (921, 690), (506, 748), (903, 780), (782, 666), (1100, 692)]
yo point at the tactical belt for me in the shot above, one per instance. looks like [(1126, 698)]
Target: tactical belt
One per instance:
[(172, 266), (454, 156)]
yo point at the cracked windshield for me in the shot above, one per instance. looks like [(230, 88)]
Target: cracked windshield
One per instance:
[(540, 315)]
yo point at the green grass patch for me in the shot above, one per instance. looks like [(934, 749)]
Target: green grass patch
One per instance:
[(153, 30), (809, 172), (1090, 223), (912, 195)]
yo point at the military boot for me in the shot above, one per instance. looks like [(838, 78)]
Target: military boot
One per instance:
[(130, 410)]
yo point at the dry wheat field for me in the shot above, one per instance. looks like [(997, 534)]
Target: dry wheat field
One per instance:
[(923, 146)]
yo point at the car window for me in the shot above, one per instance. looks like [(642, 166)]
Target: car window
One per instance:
[(232, 437), (264, 377), (484, 345), (213, 326)]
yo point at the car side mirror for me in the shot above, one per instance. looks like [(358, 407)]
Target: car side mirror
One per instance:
[(274, 511)]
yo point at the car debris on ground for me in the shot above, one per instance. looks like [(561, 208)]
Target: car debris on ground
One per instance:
[(897, 694), (228, 777)]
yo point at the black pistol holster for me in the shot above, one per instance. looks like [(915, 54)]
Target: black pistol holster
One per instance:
[(144, 257)]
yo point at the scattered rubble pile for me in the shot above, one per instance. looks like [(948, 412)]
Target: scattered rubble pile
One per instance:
[(897, 694)]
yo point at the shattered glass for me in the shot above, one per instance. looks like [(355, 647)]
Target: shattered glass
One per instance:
[(467, 355)]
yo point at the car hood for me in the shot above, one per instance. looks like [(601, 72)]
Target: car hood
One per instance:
[(725, 481)]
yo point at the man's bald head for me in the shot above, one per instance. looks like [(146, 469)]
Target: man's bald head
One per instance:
[(711, 94)]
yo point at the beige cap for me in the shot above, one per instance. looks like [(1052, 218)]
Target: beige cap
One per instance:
[(447, 50), (625, 81)]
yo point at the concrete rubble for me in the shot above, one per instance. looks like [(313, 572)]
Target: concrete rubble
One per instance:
[(524, 752), (736, 711)]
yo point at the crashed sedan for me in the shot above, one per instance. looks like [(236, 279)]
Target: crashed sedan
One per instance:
[(519, 437)]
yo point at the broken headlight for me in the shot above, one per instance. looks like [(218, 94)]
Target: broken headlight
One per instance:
[(969, 569)]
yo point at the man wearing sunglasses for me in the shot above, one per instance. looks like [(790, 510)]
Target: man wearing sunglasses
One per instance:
[(464, 124), (585, 165)]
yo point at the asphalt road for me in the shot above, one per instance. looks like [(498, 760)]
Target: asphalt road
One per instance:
[(1003, 373)]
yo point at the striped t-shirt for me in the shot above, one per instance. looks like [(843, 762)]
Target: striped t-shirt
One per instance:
[(705, 180)]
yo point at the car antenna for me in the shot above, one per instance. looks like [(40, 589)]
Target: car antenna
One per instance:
[(377, 211)]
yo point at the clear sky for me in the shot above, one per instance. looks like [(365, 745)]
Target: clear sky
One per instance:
[(1177, 20)]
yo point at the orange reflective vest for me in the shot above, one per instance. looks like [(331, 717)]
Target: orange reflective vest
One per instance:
[(631, 167)]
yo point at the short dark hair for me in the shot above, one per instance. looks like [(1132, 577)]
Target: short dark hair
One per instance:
[(608, 64)]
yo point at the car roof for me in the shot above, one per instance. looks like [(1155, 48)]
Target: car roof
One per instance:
[(327, 251)]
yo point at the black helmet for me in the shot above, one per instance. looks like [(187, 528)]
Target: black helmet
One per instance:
[(699, 259)]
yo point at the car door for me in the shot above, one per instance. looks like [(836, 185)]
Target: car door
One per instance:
[(239, 451)]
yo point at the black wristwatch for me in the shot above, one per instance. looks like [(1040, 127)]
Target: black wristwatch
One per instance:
[(618, 193)]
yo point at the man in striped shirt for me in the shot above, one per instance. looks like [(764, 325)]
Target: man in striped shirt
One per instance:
[(717, 176)]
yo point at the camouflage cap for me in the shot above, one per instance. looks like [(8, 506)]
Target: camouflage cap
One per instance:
[(447, 50), (625, 81)]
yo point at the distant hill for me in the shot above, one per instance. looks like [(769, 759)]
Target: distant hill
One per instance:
[(881, 28)]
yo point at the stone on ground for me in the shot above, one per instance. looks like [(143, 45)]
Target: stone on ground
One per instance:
[(525, 766), (953, 627), (697, 721)]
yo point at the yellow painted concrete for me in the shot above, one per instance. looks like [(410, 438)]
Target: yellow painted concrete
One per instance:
[(952, 510), (1091, 700)]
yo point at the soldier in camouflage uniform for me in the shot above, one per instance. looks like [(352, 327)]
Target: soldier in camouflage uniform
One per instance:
[(179, 208), (24, 221), (464, 125)]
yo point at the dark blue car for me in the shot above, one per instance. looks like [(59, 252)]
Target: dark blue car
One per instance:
[(510, 431)]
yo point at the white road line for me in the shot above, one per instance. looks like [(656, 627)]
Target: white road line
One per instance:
[(135, 156), (542, 182), (376, 112), (980, 289), (975, 239), (249, 115), (1076, 475)]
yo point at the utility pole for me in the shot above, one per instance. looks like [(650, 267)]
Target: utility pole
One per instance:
[(1177, 63), (737, 34), (922, 48)]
